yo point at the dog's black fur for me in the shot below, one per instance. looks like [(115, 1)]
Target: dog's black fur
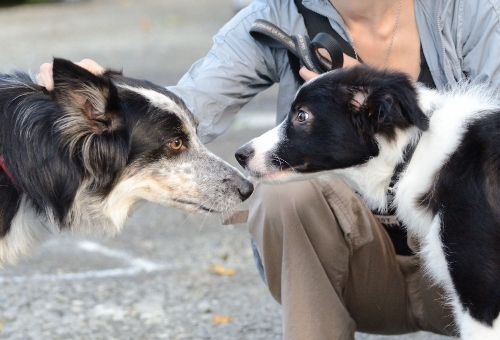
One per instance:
[(391, 106), (38, 157), (466, 195), (360, 123), (66, 150)]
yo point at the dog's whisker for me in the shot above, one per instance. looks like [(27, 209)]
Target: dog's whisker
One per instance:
[(281, 161), (196, 210), (289, 165), (204, 220)]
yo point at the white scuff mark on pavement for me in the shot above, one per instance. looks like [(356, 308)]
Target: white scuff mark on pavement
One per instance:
[(134, 262), (136, 266)]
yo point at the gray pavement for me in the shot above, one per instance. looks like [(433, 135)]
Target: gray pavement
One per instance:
[(153, 281)]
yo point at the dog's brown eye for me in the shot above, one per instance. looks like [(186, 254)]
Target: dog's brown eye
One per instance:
[(176, 144), (302, 116)]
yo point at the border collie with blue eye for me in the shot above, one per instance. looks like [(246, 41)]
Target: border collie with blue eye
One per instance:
[(80, 156), (438, 154)]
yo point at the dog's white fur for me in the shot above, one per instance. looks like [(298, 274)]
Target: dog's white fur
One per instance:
[(449, 113), (452, 111), (160, 183)]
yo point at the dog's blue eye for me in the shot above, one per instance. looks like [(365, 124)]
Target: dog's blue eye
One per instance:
[(302, 116)]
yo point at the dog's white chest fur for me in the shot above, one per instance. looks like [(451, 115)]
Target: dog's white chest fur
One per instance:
[(447, 193)]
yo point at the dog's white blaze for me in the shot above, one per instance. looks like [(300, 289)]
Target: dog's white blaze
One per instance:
[(163, 102), (27, 230), (263, 147)]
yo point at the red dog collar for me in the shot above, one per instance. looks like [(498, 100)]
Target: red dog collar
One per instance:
[(4, 167)]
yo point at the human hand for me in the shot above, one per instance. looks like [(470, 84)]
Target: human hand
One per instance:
[(45, 77), (307, 74)]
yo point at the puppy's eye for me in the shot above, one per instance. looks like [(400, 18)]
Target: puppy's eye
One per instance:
[(302, 116), (176, 144)]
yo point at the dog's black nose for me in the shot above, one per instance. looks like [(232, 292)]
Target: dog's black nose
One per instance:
[(244, 153), (245, 188)]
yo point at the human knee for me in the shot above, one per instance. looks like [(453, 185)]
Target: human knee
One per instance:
[(283, 200)]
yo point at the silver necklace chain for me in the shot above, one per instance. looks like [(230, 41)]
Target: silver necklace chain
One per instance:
[(392, 37)]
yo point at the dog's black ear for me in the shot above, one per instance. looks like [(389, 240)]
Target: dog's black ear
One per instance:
[(400, 100), (360, 113), (389, 104), (85, 95), (92, 126)]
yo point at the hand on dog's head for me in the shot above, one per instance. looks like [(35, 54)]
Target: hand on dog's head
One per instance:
[(93, 96), (44, 77)]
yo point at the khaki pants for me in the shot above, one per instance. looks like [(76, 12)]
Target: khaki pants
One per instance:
[(333, 268)]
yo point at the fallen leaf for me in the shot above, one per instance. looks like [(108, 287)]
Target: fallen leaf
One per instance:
[(221, 270), (221, 319)]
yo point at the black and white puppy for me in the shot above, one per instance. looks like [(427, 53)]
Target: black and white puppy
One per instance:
[(79, 156), (363, 124)]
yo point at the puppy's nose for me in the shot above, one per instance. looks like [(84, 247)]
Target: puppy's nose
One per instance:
[(244, 154)]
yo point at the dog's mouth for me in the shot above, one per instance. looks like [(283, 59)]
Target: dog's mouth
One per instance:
[(267, 175), (274, 176), (195, 205), (277, 172)]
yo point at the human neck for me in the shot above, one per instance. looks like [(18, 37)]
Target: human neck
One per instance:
[(367, 11)]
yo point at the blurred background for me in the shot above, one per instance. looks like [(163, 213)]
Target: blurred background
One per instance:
[(169, 274)]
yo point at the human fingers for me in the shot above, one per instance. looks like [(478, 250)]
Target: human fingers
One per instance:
[(307, 74), (45, 78), (349, 61), (324, 53), (91, 66)]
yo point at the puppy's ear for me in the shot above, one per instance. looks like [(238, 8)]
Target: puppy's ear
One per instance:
[(385, 106), (85, 95), (361, 115), (398, 104), (358, 97)]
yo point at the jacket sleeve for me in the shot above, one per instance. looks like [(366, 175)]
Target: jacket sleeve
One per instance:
[(480, 40), (235, 70)]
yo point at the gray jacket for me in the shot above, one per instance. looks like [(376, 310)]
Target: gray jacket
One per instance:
[(460, 38)]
